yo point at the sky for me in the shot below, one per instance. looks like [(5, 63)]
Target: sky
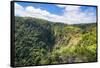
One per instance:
[(69, 14)]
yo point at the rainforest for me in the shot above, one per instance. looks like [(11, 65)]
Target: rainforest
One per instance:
[(42, 42)]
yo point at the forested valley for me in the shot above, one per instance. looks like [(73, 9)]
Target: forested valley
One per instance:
[(41, 42)]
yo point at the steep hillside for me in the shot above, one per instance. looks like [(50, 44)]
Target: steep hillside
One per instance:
[(40, 42)]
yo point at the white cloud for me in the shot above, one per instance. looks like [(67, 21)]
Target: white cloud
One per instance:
[(61, 6), (75, 15), (17, 6), (30, 11), (71, 15)]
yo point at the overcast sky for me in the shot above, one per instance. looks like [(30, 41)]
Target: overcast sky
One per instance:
[(69, 14)]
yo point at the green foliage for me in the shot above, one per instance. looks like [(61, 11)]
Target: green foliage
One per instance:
[(40, 42)]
